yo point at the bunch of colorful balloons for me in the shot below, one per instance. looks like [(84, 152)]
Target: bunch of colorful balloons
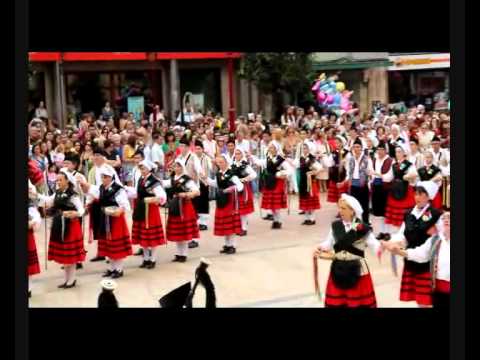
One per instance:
[(332, 94)]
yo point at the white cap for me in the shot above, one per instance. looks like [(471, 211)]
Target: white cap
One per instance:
[(277, 146), (148, 164), (430, 186), (69, 176), (108, 284), (354, 204), (107, 171), (205, 261)]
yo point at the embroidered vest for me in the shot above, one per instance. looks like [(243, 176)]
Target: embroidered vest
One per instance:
[(362, 171)]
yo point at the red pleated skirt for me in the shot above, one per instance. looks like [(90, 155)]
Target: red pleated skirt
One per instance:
[(71, 250), (245, 200), (361, 295), (275, 198), (153, 236), (416, 287), (118, 245), (33, 265), (311, 202), (185, 227), (437, 202), (396, 209), (334, 192), (227, 219)]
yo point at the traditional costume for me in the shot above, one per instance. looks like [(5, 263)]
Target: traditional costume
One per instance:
[(417, 227), (246, 174), (66, 239), (193, 170), (401, 196), (227, 215), (309, 187), (147, 228), (350, 283), (358, 170), (202, 202), (337, 175), (275, 191), (433, 173), (381, 187), (111, 231), (436, 250), (182, 224)]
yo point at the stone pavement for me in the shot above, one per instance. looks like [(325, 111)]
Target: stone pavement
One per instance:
[(272, 268)]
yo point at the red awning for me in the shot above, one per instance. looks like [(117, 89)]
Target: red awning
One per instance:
[(44, 56), (103, 56), (197, 55), (126, 56)]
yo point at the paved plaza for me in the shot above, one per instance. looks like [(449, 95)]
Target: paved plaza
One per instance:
[(272, 268)]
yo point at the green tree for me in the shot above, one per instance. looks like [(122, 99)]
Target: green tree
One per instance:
[(279, 74)]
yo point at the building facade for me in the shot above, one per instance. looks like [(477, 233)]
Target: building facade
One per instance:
[(84, 81)]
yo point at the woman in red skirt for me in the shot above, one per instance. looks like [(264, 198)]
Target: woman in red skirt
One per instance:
[(435, 250), (66, 237), (34, 220), (308, 187), (433, 173), (227, 217), (33, 223), (275, 192), (182, 225), (349, 283), (418, 225), (147, 228), (337, 185), (241, 168), (111, 227), (401, 197)]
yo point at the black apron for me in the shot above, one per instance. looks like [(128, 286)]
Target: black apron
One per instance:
[(178, 186), (399, 186), (346, 273), (107, 198), (416, 233), (61, 202), (143, 191), (305, 165), (223, 182), (270, 173)]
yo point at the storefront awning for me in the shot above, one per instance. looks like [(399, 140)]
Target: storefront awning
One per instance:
[(128, 56), (348, 64)]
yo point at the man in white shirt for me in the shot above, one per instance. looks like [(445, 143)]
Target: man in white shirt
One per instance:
[(230, 155), (156, 116), (359, 167), (210, 145), (242, 143), (441, 157), (193, 169), (157, 155)]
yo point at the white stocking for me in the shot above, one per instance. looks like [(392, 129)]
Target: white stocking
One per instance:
[(182, 247), (244, 220)]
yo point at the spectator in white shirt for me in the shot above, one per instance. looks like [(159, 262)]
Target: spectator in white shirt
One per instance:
[(157, 155), (41, 112), (210, 145)]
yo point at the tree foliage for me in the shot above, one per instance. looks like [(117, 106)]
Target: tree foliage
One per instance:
[(274, 72)]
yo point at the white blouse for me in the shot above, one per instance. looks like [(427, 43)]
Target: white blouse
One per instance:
[(422, 253), (75, 200), (236, 181), (286, 168), (372, 242), (120, 197), (34, 216), (158, 193), (190, 184), (252, 174), (388, 176)]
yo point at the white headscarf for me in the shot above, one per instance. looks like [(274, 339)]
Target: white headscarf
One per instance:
[(244, 156), (178, 161), (354, 204), (312, 148), (148, 164), (430, 186), (278, 146), (71, 179)]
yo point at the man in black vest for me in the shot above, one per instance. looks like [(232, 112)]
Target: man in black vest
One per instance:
[(359, 167)]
